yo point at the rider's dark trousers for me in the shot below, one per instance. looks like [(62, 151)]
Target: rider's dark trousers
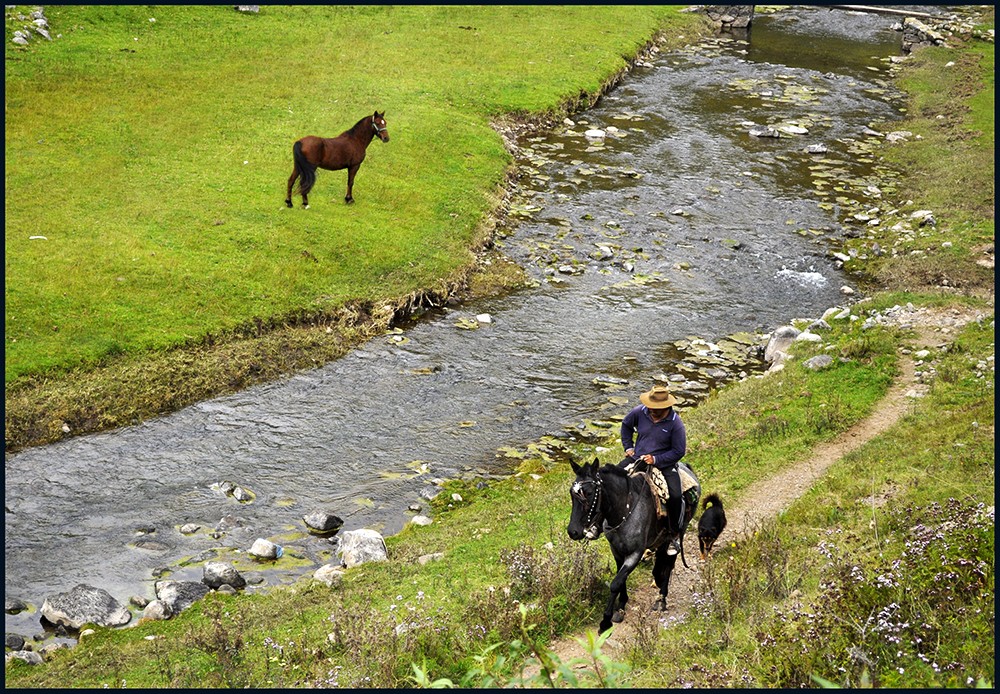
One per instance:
[(673, 479)]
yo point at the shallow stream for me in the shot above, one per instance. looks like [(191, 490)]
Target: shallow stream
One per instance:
[(679, 225)]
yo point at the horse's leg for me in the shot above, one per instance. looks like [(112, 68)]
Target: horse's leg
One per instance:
[(291, 182), (618, 590), (662, 570), (351, 171)]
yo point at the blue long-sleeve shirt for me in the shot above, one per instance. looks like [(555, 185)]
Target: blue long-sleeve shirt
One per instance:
[(665, 440)]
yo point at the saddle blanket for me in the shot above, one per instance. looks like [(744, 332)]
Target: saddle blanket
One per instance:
[(658, 485)]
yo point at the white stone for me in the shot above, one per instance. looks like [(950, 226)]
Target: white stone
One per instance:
[(84, 604), (156, 610), (329, 574), (421, 520), (264, 549), (360, 546)]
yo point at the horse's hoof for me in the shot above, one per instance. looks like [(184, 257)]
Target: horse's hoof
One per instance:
[(605, 626), (349, 201), (305, 207), (288, 202), (618, 616), (660, 605)]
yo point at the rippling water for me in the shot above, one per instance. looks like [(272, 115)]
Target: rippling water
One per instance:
[(705, 232)]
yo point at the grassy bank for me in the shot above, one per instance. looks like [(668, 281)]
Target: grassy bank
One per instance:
[(882, 574), (504, 546), (161, 244)]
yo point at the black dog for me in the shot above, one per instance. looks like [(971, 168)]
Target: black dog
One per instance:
[(711, 524)]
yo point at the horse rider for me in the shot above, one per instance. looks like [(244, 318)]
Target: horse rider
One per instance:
[(654, 434)]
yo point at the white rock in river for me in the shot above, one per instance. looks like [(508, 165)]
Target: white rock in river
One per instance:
[(218, 573), (264, 549)]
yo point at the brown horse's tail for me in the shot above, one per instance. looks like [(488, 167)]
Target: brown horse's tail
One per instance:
[(307, 172)]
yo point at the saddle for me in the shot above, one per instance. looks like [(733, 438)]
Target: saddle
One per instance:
[(658, 486)]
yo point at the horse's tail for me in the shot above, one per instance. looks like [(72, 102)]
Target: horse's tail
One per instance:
[(712, 499), (307, 172)]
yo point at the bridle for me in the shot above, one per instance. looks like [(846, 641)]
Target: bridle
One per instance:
[(597, 504), (578, 493), (378, 130)]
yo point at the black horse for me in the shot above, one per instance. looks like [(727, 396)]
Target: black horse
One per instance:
[(608, 500), (346, 151)]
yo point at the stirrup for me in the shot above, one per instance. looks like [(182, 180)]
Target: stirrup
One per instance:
[(674, 547)]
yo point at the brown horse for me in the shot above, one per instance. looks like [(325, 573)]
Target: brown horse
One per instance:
[(346, 151)]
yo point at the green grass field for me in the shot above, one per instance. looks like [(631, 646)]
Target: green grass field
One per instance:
[(153, 157)]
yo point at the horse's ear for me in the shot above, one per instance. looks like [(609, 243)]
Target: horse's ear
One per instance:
[(576, 468)]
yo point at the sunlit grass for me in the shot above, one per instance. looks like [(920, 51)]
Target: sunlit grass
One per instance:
[(153, 158)]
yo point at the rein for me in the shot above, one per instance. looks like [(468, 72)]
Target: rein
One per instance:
[(629, 508)]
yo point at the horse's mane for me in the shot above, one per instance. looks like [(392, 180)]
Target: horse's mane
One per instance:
[(610, 469), (354, 128)]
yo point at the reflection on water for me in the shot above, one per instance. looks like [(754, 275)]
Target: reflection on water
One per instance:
[(676, 224)]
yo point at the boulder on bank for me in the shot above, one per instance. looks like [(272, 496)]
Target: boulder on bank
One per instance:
[(30, 657), (329, 574), (781, 340), (360, 546), (85, 604), (179, 595), (820, 361), (217, 574), (156, 610)]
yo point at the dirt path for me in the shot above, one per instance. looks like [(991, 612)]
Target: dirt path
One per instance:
[(766, 498)]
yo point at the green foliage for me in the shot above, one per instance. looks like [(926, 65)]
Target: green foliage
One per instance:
[(868, 617)]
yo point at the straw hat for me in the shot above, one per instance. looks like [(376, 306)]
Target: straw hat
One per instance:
[(657, 398)]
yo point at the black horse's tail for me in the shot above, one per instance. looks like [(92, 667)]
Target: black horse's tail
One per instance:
[(307, 172)]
